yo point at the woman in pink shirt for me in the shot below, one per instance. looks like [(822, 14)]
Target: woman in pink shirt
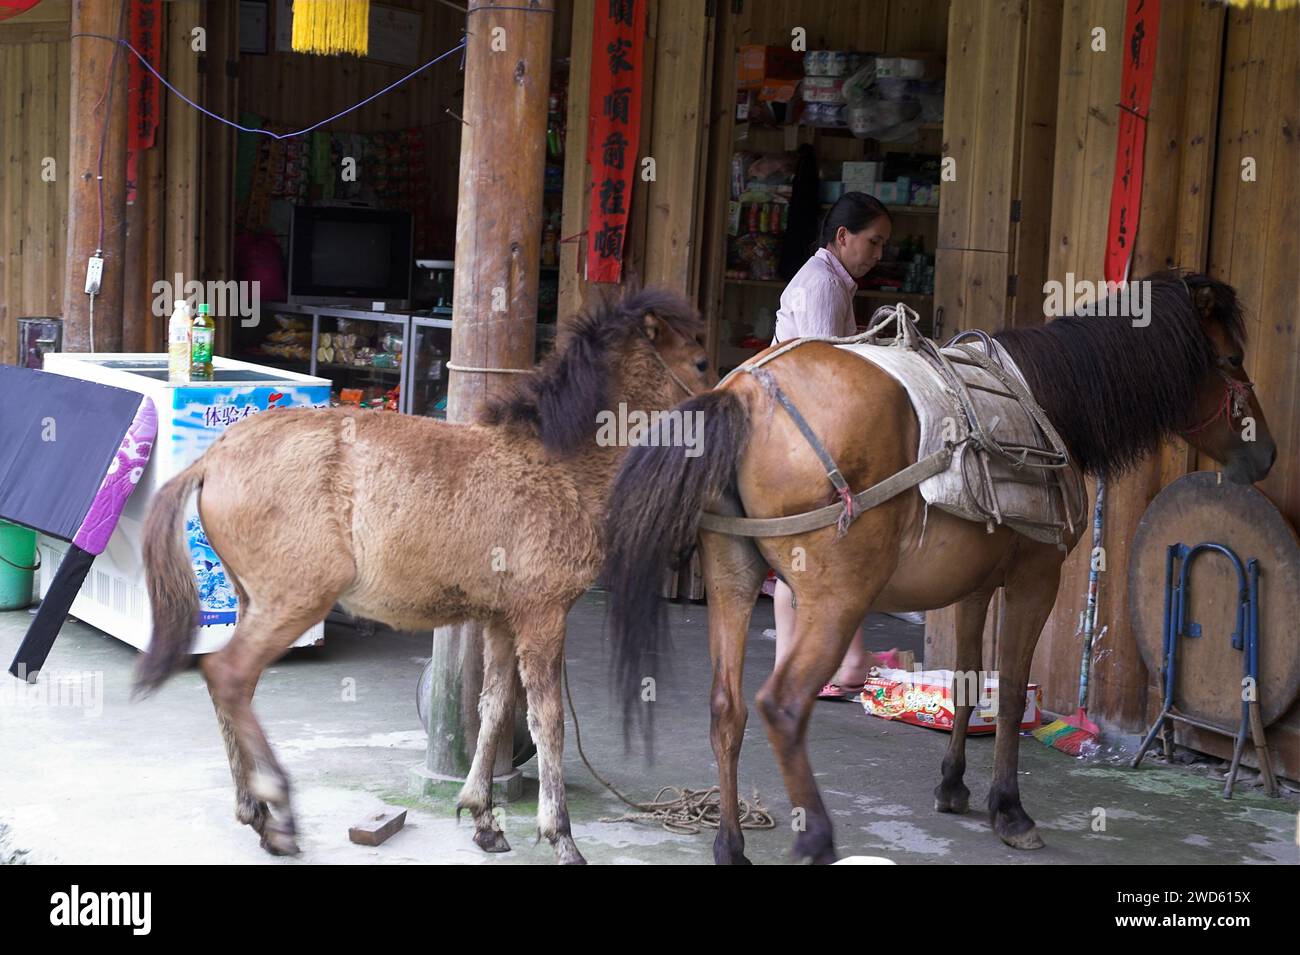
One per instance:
[(819, 301)]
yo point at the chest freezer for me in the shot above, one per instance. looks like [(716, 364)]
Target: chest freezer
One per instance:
[(190, 417)]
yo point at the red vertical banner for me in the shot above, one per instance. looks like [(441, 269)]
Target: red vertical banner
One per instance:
[(1141, 27), (617, 46), (146, 36)]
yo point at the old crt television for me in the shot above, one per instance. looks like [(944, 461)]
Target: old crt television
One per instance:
[(345, 255)]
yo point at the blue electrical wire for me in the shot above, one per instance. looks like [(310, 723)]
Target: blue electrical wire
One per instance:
[(267, 132)]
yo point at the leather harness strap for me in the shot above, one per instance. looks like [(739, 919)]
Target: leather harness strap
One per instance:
[(873, 496), (833, 473)]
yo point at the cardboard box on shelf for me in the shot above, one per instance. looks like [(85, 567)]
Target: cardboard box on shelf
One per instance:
[(777, 90), (756, 63), (861, 171), (929, 698)]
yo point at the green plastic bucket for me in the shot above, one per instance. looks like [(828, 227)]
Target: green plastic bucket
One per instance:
[(17, 564)]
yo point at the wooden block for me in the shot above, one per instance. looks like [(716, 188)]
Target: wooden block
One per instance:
[(377, 828)]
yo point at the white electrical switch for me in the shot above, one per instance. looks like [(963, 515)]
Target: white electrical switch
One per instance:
[(94, 273)]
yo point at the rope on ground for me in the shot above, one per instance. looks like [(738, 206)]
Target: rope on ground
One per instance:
[(687, 812)]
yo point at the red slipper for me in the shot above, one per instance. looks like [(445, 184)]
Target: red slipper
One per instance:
[(841, 694)]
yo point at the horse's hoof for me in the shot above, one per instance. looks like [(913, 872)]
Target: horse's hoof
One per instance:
[(566, 851), (491, 840), (1029, 839), (279, 843), (955, 802), (733, 859)]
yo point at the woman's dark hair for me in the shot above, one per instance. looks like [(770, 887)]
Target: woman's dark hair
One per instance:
[(853, 210)]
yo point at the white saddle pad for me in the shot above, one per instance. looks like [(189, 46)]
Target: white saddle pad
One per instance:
[(1029, 500)]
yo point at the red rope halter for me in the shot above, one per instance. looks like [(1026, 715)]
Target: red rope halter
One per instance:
[(1236, 399)]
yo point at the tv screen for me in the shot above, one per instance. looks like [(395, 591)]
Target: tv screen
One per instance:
[(347, 254)]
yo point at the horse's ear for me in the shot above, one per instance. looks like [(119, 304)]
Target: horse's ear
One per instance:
[(1204, 300), (650, 324)]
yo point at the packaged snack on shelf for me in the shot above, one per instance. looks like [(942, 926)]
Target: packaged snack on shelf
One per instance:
[(823, 89), (826, 63)]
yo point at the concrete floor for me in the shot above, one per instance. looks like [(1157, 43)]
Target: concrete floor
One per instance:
[(98, 779)]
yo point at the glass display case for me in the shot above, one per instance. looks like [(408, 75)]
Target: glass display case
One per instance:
[(426, 385), (361, 352), (426, 382)]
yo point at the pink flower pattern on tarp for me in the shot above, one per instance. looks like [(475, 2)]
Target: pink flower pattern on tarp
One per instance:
[(122, 477)]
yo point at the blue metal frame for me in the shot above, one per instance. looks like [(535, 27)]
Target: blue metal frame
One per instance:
[(1179, 557)]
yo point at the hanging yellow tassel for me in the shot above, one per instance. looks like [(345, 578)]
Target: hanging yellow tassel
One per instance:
[(331, 26), (1265, 4)]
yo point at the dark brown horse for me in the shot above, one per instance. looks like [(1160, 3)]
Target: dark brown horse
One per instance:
[(1112, 390), (419, 523)]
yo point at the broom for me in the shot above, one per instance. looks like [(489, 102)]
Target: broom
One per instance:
[(1077, 735)]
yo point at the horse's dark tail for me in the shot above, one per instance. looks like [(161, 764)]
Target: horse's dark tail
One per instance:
[(173, 595), (654, 515)]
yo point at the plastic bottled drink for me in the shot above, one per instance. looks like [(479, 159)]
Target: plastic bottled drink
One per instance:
[(178, 343), (201, 333)]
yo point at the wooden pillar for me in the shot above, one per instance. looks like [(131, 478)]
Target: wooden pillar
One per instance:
[(94, 119), (498, 247)]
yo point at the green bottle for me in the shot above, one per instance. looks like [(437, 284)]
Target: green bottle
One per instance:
[(201, 344)]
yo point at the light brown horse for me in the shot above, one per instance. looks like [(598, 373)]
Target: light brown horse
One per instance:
[(418, 523), (1113, 391)]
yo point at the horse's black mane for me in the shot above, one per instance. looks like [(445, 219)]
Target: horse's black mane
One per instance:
[(1113, 390), (559, 402)]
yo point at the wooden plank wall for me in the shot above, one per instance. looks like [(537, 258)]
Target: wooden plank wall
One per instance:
[(1254, 245), (1036, 158), (35, 81), (997, 113)]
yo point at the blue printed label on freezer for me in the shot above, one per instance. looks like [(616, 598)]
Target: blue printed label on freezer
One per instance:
[(200, 416), (217, 600)]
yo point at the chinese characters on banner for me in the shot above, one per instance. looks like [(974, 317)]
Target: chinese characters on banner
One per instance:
[(618, 38), (146, 28), (146, 31), (1141, 27)]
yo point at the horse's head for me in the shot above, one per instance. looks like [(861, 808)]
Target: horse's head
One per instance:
[(1227, 422), (673, 334)]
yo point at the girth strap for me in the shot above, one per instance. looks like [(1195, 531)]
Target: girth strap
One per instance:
[(873, 496)]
